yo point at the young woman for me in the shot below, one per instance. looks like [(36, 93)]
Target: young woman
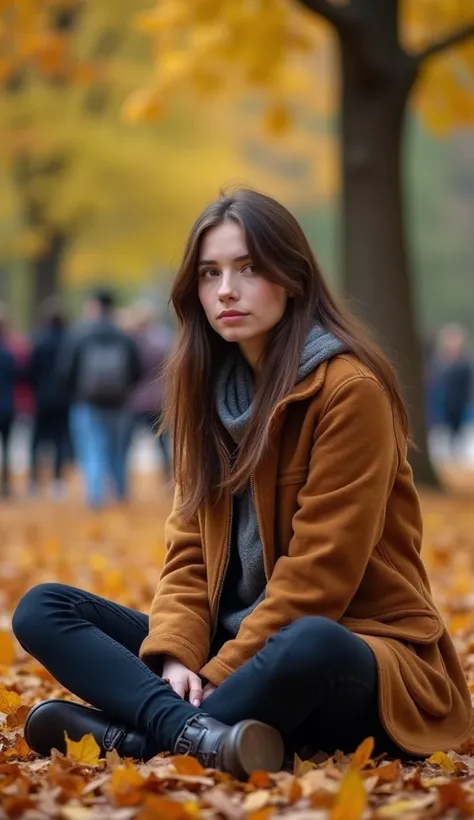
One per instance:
[(293, 608)]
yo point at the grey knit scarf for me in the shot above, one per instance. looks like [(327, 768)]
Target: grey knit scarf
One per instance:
[(236, 385)]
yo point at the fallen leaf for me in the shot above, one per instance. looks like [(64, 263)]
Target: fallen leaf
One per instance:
[(388, 773), (187, 765), (255, 801), (452, 795), (17, 718), (263, 814), (16, 805), (7, 648), (300, 767), (9, 701), (443, 761), (363, 753), (157, 807), (85, 751), (261, 780), (403, 806), (351, 799), (76, 813)]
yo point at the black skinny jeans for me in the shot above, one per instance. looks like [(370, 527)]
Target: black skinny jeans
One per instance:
[(314, 681)]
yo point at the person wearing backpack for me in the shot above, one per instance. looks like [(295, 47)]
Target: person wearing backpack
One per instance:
[(98, 367)]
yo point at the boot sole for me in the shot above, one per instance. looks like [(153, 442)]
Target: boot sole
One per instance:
[(254, 746)]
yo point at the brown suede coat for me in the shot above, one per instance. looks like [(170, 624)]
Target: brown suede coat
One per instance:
[(340, 525)]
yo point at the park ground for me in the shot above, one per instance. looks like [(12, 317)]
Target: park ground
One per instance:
[(118, 553)]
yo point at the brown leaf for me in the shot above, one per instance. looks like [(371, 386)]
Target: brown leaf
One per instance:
[(388, 773), (17, 719), (16, 805)]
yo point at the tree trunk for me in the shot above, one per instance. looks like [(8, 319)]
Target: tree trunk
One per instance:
[(46, 269), (375, 265)]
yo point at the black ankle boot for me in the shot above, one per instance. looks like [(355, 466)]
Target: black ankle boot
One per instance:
[(238, 750), (47, 721)]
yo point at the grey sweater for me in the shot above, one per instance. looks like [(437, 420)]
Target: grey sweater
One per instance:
[(244, 583)]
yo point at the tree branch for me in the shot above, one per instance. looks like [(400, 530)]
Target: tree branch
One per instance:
[(446, 42), (339, 16)]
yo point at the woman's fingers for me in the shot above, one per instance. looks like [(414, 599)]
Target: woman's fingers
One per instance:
[(195, 690), (179, 686)]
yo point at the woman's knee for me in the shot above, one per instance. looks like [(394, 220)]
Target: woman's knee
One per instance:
[(320, 642), (28, 618)]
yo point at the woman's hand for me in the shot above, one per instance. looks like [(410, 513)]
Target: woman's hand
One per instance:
[(184, 682), (208, 690)]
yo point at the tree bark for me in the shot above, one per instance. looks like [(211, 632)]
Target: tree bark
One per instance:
[(46, 269), (375, 264)]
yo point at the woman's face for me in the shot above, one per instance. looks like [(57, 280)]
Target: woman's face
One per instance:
[(229, 284)]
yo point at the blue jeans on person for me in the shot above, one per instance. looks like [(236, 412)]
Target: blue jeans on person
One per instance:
[(100, 438), (314, 681)]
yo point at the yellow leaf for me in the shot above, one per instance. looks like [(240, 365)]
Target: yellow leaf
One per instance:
[(86, 750), (351, 799), (7, 649), (443, 761), (363, 753), (402, 806), (9, 702)]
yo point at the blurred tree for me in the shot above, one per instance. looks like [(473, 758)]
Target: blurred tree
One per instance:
[(383, 47), (82, 194)]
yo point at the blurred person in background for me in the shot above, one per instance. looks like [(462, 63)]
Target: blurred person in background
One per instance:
[(453, 375), (8, 378), (51, 416), (154, 340), (99, 365)]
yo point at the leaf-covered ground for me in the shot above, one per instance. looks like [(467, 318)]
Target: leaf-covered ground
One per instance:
[(118, 554)]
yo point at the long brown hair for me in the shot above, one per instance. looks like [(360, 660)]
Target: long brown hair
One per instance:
[(280, 251)]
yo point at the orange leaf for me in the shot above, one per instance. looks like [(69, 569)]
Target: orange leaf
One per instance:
[(388, 773), (185, 764), (126, 777), (351, 799), (16, 805), (156, 807), (261, 780), (452, 795), (7, 649), (21, 746), (363, 754), (85, 750), (263, 814), (9, 701)]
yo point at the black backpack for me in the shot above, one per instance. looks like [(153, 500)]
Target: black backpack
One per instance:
[(104, 376)]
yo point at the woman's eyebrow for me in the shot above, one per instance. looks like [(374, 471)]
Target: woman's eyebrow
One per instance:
[(214, 262)]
